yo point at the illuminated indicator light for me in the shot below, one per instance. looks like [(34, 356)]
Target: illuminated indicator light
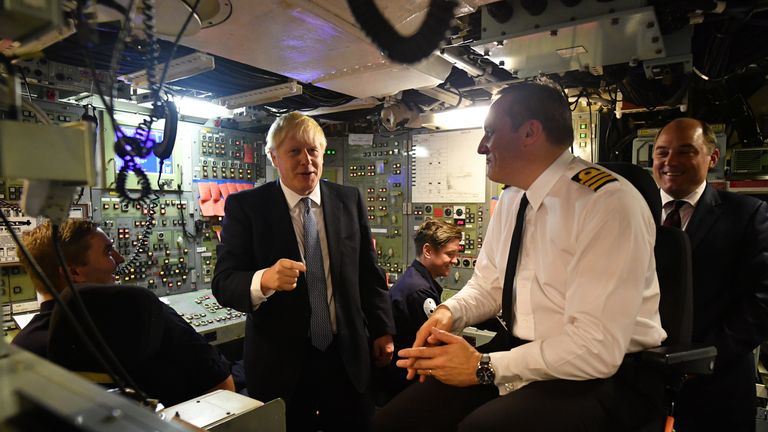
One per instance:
[(582, 125), (583, 135)]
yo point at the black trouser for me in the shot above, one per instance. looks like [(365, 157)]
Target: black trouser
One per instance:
[(325, 398), (627, 401)]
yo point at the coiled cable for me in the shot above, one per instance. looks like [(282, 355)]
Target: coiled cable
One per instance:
[(405, 49)]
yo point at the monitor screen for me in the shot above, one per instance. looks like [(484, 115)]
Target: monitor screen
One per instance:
[(150, 164)]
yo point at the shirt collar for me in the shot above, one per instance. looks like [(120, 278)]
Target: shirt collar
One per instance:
[(691, 199), (544, 183), (47, 306), (422, 269), (293, 198)]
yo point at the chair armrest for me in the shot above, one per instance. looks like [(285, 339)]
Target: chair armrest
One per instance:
[(687, 359)]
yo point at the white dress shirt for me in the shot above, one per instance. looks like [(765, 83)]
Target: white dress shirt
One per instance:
[(686, 211), (297, 217), (586, 291)]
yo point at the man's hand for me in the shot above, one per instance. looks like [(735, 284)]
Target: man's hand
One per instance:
[(441, 319), (383, 350), (282, 276), (454, 362)]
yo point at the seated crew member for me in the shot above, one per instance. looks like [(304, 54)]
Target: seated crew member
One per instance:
[(568, 259), (184, 365), (416, 294)]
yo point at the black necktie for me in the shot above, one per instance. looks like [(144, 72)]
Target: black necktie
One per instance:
[(673, 217), (507, 306)]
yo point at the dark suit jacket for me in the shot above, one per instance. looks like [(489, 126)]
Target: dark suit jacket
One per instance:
[(408, 295), (257, 231), (729, 240)]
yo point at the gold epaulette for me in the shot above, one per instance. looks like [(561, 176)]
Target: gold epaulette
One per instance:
[(593, 178)]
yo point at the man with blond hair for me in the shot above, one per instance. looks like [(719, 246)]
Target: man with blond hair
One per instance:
[(296, 255)]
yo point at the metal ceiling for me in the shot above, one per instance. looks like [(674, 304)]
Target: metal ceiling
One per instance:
[(319, 42)]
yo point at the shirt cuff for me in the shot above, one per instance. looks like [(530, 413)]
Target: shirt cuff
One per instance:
[(506, 381), (458, 320), (258, 297)]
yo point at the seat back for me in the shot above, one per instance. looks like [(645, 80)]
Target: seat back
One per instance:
[(673, 259), (129, 319), (674, 270), (642, 180)]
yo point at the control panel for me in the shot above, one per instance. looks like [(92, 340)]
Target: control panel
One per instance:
[(471, 218), (19, 223), (586, 130), (378, 167), (155, 240), (228, 154), (215, 322), (57, 113), (15, 285)]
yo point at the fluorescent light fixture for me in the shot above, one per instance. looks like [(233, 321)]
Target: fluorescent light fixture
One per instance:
[(195, 107), (461, 63), (260, 96), (445, 96), (460, 118), (351, 106), (179, 68)]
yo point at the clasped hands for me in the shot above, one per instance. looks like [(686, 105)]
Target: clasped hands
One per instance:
[(440, 354)]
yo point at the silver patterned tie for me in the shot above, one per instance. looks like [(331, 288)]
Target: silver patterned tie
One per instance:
[(320, 321)]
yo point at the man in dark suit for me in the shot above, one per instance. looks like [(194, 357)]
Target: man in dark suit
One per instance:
[(296, 255), (729, 239)]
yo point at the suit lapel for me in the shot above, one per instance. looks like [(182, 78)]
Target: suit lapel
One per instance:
[(704, 215), (331, 212), (280, 221)]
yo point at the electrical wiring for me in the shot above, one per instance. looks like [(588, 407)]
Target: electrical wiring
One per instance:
[(79, 195), (15, 113), (192, 13), (14, 207), (591, 133), (144, 237), (28, 104), (143, 133)]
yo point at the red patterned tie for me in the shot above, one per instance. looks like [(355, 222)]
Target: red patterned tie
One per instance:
[(673, 217)]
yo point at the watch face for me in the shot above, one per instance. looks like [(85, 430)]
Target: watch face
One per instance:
[(485, 374)]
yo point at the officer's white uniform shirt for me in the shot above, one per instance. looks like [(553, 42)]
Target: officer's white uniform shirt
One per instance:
[(586, 291)]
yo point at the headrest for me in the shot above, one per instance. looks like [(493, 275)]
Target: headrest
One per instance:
[(642, 180), (129, 319)]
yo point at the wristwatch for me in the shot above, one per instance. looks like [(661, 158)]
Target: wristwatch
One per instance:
[(485, 374)]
